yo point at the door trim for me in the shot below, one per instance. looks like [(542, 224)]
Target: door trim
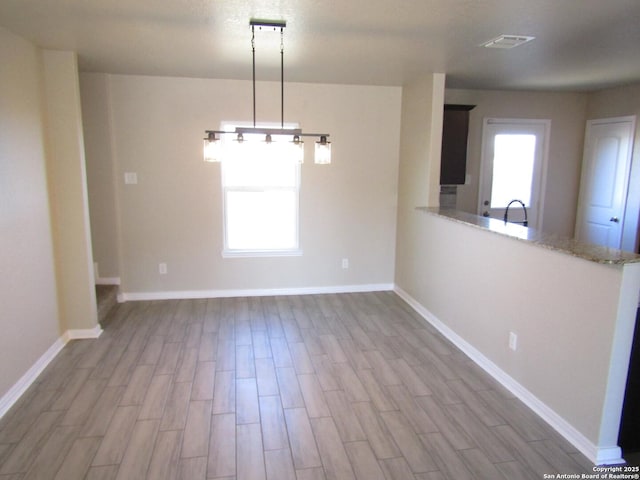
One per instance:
[(546, 124)]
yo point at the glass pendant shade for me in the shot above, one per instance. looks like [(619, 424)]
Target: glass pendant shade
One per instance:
[(323, 151), (297, 150), (212, 148)]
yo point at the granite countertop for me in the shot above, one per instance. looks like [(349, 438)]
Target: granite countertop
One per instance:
[(593, 253)]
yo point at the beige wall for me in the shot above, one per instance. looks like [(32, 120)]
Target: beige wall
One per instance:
[(47, 294), (68, 193), (174, 213), (419, 176), (28, 304), (101, 175), (567, 112), (574, 318), (421, 141)]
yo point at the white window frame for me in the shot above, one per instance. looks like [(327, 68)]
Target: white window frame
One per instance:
[(228, 252)]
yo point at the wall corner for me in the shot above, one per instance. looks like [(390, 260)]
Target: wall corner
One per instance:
[(66, 171)]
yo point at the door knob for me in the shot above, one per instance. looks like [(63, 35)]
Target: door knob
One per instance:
[(485, 214), (614, 219)]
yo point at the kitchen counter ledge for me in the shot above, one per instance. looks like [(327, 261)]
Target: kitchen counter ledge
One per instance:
[(593, 253)]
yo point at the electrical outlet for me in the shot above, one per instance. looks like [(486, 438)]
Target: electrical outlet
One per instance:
[(162, 268), (513, 341), (345, 263)]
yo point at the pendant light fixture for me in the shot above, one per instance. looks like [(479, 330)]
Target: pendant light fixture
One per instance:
[(213, 151)]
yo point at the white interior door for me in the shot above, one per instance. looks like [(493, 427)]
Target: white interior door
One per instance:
[(605, 181), (514, 153)]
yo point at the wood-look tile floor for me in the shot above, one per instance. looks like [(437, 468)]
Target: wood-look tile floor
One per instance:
[(345, 386)]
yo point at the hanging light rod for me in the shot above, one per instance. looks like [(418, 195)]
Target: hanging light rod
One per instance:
[(267, 131), (255, 22)]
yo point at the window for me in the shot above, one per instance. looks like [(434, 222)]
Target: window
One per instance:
[(260, 196)]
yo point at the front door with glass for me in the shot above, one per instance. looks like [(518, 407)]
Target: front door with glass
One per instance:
[(513, 160)]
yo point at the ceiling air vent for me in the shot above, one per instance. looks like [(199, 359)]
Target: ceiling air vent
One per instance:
[(507, 41)]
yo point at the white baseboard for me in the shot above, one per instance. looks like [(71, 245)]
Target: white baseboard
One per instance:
[(599, 455), (263, 292), (21, 386), (82, 333), (108, 281)]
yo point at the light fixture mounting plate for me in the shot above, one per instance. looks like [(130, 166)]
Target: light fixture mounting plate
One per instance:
[(259, 22)]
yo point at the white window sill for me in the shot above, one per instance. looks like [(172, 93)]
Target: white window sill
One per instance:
[(296, 252)]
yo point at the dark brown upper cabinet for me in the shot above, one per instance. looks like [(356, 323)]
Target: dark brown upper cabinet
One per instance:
[(455, 128)]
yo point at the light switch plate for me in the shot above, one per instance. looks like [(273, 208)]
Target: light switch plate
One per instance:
[(130, 178)]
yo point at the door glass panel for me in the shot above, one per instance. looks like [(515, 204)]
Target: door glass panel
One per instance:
[(513, 168)]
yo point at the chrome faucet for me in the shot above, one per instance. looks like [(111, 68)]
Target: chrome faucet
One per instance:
[(506, 212)]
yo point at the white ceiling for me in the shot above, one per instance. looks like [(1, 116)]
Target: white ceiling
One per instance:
[(580, 44)]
